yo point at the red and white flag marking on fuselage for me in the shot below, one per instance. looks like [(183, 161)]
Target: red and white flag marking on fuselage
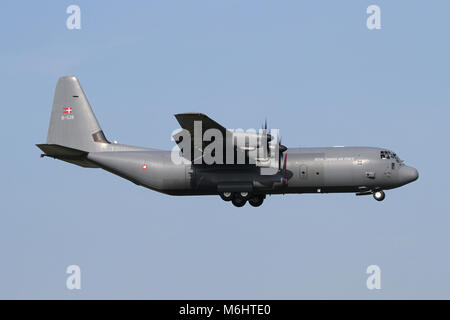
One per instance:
[(67, 110)]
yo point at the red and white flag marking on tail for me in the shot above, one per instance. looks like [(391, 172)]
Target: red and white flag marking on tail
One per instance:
[(67, 110)]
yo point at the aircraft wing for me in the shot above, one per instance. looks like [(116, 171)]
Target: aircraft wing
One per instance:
[(186, 121)]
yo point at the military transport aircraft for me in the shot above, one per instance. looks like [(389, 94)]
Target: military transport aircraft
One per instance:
[(75, 136)]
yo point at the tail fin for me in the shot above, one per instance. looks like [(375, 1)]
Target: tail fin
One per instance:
[(72, 122)]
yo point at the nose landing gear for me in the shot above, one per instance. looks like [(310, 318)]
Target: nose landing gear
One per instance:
[(379, 195)]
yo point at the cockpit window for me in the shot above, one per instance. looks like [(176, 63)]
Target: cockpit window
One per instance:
[(386, 154)]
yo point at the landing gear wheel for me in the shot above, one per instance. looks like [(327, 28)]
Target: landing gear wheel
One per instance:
[(379, 195), (256, 200), (226, 196), (238, 201), (246, 195)]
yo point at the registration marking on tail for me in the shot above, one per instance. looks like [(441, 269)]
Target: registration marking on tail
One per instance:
[(67, 113)]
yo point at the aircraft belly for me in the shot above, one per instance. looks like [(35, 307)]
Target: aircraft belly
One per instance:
[(204, 180), (208, 181)]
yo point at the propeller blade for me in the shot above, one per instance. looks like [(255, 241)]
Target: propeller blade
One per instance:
[(268, 137), (285, 168), (281, 147)]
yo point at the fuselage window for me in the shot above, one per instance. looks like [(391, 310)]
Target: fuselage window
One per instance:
[(393, 165)]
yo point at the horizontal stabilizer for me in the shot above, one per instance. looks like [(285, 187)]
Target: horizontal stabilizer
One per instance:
[(71, 155)]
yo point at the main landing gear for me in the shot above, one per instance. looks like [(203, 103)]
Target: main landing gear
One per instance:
[(379, 195), (226, 196), (239, 199), (257, 200)]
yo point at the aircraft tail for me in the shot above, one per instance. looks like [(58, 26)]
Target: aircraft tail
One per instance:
[(72, 123)]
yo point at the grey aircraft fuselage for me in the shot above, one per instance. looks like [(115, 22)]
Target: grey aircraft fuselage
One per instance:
[(309, 170), (75, 136)]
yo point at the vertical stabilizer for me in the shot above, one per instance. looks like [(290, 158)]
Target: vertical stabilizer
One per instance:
[(72, 122)]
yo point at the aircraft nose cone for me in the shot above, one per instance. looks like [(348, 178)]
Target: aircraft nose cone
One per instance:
[(408, 174)]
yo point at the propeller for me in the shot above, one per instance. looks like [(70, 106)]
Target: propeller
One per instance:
[(282, 149), (269, 137)]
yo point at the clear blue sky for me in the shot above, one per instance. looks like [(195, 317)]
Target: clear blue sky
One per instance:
[(311, 67)]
